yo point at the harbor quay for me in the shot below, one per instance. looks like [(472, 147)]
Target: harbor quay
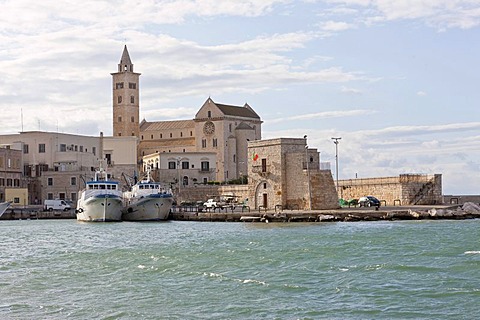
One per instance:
[(468, 210)]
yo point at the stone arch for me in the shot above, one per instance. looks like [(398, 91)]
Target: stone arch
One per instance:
[(264, 195)]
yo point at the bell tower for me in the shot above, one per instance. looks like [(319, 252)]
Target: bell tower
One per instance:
[(126, 98)]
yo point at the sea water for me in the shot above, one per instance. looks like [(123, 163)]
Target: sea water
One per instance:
[(63, 269)]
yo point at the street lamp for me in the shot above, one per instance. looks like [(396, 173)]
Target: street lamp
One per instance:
[(308, 175), (335, 140)]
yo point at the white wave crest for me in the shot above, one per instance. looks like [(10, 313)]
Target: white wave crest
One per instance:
[(471, 252)]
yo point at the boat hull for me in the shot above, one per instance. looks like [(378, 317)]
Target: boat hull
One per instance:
[(3, 207), (100, 209), (149, 208)]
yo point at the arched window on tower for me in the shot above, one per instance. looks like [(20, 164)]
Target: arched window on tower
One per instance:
[(132, 119), (132, 99), (119, 99)]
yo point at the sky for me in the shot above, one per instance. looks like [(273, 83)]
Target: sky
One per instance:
[(397, 80)]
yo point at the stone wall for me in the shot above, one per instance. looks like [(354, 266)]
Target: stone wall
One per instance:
[(324, 193), (204, 192), (406, 189)]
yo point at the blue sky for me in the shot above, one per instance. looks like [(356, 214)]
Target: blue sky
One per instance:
[(397, 80)]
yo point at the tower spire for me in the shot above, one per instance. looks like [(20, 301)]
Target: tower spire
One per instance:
[(125, 62)]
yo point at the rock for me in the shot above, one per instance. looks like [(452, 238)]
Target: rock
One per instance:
[(326, 217), (414, 214), (471, 208)]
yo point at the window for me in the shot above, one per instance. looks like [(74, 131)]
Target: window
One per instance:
[(205, 180), (151, 136), (185, 181), (172, 165), (94, 150), (41, 148), (81, 148), (191, 133), (73, 181), (73, 196), (119, 99), (132, 119), (25, 148), (181, 134), (171, 135), (205, 166), (16, 182), (61, 195), (119, 119), (204, 143), (132, 99), (264, 185), (209, 114), (230, 127), (264, 165), (215, 142), (119, 85), (161, 136), (132, 85), (50, 196), (16, 200), (234, 158), (63, 147), (50, 181), (185, 164), (2, 182)]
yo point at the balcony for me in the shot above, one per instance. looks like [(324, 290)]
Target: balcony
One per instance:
[(262, 170)]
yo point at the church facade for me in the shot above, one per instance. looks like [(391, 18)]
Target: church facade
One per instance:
[(217, 129)]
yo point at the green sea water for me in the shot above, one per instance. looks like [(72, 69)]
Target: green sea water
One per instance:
[(63, 269)]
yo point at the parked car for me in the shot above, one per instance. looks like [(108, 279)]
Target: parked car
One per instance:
[(369, 201)]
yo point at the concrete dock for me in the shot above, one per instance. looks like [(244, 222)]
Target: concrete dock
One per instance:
[(467, 211)]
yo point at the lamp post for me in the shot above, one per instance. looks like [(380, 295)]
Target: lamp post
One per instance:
[(308, 174), (335, 140)]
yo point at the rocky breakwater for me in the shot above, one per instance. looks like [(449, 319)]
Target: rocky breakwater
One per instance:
[(467, 211)]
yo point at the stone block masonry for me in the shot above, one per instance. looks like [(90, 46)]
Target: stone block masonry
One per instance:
[(406, 189)]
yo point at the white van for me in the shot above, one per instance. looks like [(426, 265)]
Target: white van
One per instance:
[(51, 205)]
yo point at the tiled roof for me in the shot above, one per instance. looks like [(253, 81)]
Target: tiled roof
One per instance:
[(237, 111), (167, 125), (243, 126)]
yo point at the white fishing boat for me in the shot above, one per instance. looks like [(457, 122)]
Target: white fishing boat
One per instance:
[(4, 206), (101, 200), (147, 201)]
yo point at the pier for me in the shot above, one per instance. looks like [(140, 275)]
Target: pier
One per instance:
[(468, 210)]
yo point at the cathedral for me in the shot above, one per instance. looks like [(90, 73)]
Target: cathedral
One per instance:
[(211, 146)]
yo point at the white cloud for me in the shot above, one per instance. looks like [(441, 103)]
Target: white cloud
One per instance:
[(440, 14), (335, 26), (351, 90), (322, 115)]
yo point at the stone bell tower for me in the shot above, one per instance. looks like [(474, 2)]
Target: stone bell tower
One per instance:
[(126, 96)]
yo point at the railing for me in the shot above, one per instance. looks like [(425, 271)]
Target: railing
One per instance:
[(261, 169)]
